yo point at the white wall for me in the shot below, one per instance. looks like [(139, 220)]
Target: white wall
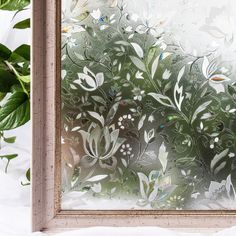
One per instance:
[(13, 37), (15, 199)]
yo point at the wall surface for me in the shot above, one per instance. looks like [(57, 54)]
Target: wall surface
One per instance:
[(14, 198)]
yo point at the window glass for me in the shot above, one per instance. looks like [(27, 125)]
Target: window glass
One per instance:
[(148, 107)]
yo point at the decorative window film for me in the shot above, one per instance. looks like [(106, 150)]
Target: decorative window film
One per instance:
[(148, 105)]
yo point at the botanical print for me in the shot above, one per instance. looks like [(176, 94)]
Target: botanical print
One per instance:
[(148, 94)]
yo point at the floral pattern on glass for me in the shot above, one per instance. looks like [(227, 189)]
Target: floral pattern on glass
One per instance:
[(147, 123)]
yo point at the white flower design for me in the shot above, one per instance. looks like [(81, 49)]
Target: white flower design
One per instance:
[(221, 194), (68, 31), (97, 135), (175, 202), (89, 81), (151, 25), (129, 29), (138, 94), (71, 9), (96, 14), (71, 42), (220, 25), (166, 75), (215, 80), (126, 149), (63, 74), (124, 121), (139, 75), (153, 186)]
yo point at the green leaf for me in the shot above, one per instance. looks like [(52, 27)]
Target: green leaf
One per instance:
[(13, 5), (7, 80), (10, 140), (16, 88), (24, 24), (21, 54), (23, 51), (5, 52), (28, 175), (9, 158), (20, 78), (2, 96), (15, 58), (15, 112), (25, 79)]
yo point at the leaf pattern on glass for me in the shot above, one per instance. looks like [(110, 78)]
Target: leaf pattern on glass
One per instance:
[(146, 123)]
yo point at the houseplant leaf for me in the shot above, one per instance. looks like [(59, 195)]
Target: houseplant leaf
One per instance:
[(15, 112), (7, 79), (13, 5), (24, 24), (23, 51), (5, 52)]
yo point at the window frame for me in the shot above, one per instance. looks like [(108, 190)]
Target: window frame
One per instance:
[(46, 213)]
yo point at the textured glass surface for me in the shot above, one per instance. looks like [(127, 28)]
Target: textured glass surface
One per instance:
[(148, 104)]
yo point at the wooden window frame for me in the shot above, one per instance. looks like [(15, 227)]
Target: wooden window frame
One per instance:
[(46, 213)]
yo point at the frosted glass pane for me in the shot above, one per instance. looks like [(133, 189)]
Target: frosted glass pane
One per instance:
[(148, 104)]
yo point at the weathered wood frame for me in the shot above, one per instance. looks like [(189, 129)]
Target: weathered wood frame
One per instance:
[(46, 213)]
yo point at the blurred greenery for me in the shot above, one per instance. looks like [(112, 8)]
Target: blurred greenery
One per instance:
[(14, 81)]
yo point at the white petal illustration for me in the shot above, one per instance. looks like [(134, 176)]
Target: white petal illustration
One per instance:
[(138, 49), (96, 14)]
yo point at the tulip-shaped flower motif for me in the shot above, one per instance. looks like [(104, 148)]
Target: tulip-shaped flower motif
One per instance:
[(89, 81), (154, 188), (101, 143), (215, 80), (221, 195)]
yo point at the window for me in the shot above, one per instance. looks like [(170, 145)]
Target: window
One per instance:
[(137, 113)]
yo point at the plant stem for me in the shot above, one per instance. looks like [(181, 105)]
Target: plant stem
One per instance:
[(151, 81), (11, 67), (8, 162), (4, 4)]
